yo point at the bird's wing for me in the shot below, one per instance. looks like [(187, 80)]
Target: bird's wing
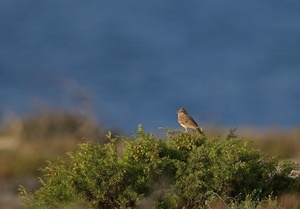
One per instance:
[(190, 120)]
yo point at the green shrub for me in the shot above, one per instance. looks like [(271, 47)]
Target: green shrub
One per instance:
[(184, 170)]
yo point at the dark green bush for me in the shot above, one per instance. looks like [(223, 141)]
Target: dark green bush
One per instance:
[(184, 170)]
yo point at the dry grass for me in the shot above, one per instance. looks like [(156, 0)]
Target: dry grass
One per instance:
[(271, 141), (26, 143), (282, 143)]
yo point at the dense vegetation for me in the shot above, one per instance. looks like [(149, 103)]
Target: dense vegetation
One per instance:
[(184, 170)]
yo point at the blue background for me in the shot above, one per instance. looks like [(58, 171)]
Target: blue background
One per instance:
[(230, 63)]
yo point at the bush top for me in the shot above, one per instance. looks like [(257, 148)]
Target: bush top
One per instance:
[(183, 170)]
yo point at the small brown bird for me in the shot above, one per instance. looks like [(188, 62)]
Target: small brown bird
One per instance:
[(187, 121)]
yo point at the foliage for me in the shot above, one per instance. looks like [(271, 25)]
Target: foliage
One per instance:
[(185, 170)]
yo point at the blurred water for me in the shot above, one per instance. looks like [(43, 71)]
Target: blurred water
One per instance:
[(229, 63)]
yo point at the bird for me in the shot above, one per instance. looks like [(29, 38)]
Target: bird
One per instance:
[(187, 121)]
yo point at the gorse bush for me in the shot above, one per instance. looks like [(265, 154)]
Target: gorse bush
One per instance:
[(185, 170)]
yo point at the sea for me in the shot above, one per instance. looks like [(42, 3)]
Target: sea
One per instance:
[(125, 63)]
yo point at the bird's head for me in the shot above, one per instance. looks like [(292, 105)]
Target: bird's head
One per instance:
[(181, 111)]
